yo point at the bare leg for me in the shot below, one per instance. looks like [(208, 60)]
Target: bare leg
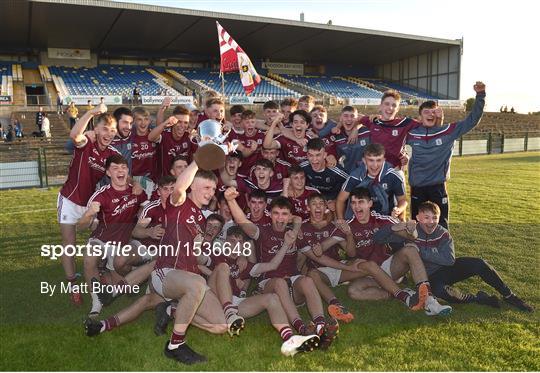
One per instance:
[(305, 289), (280, 287), (366, 289), (405, 259), (69, 235)]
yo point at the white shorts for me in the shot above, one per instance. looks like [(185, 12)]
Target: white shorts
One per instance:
[(237, 300), (157, 277), (146, 183), (333, 274), (292, 279), (68, 212), (385, 266)]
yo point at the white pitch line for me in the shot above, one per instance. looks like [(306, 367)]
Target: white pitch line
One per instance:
[(26, 212)]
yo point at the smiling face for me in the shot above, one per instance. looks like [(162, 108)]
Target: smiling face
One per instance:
[(178, 167), (270, 154), (270, 114), (361, 208), (165, 191), (263, 175), (256, 207), (118, 174), (232, 164), (142, 122), (105, 133), (427, 220), (124, 125), (299, 126), (427, 117), (216, 112), (374, 164), (180, 128), (316, 159), (348, 119), (212, 230), (298, 181), (202, 191), (319, 118), (249, 126), (389, 108), (316, 208), (280, 218)]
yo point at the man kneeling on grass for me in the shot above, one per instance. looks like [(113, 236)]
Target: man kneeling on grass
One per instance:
[(444, 269)]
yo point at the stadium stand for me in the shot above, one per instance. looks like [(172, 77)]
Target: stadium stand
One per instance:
[(406, 92), (6, 72), (207, 79), (108, 80), (334, 86)]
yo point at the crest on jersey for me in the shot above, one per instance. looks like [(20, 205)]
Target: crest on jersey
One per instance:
[(438, 142), (395, 132), (385, 186), (363, 142)]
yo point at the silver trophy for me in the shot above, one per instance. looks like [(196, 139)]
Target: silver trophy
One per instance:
[(211, 152)]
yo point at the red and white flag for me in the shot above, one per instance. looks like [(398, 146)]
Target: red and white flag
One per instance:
[(233, 58)]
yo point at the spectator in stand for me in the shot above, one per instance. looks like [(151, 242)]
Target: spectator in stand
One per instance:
[(10, 135), (59, 102), (136, 96), (18, 127), (39, 118), (89, 107), (512, 110), (46, 127), (2, 134), (72, 113)]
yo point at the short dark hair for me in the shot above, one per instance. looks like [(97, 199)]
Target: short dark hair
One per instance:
[(235, 154), (281, 202), (117, 114), (264, 163), (116, 159), (214, 101), (391, 93), (165, 180), (309, 99), (315, 143), (237, 109), (248, 114), (235, 230), (216, 217), (289, 102), (348, 108), (270, 105), (361, 193), (430, 207), (430, 104), (257, 193), (207, 175), (304, 114), (374, 149), (179, 157), (314, 196), (320, 108), (296, 169), (180, 110)]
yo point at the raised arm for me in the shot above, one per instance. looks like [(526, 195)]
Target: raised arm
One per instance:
[(161, 111), (77, 132), (238, 215), (269, 142), (86, 220), (158, 130), (476, 113), (273, 264), (183, 181)]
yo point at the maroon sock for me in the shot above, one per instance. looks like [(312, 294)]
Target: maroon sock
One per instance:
[(319, 322), (401, 295), (111, 323), (229, 309), (286, 333), (335, 302), (177, 338), (299, 326)]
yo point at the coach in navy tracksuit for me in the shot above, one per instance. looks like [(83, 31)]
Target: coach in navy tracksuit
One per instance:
[(432, 146)]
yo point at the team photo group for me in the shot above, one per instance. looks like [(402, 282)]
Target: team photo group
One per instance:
[(211, 217)]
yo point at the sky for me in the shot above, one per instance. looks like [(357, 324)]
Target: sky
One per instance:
[(501, 38)]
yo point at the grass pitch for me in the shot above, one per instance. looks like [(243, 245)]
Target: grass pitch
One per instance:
[(495, 214)]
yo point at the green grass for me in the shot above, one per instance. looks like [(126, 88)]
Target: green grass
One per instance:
[(495, 214)]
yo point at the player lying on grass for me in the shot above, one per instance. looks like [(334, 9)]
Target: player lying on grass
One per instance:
[(87, 167), (291, 287), (227, 274), (372, 232), (329, 270), (444, 269), (115, 206), (432, 145)]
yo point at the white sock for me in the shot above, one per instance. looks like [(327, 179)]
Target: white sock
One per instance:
[(96, 304)]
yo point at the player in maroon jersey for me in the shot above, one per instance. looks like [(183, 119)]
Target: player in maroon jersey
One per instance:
[(176, 274), (371, 232), (263, 180), (286, 107), (329, 270), (227, 273), (281, 168), (115, 206), (295, 189), (285, 281), (389, 130), (87, 167), (257, 202), (143, 151), (250, 142), (235, 112), (172, 137), (291, 151), (214, 108)]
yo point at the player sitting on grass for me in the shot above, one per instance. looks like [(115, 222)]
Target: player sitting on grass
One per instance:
[(291, 287), (444, 269), (226, 277), (372, 232), (329, 270)]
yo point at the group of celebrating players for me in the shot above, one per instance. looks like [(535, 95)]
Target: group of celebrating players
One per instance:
[(302, 205)]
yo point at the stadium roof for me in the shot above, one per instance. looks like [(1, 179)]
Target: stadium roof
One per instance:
[(115, 27)]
